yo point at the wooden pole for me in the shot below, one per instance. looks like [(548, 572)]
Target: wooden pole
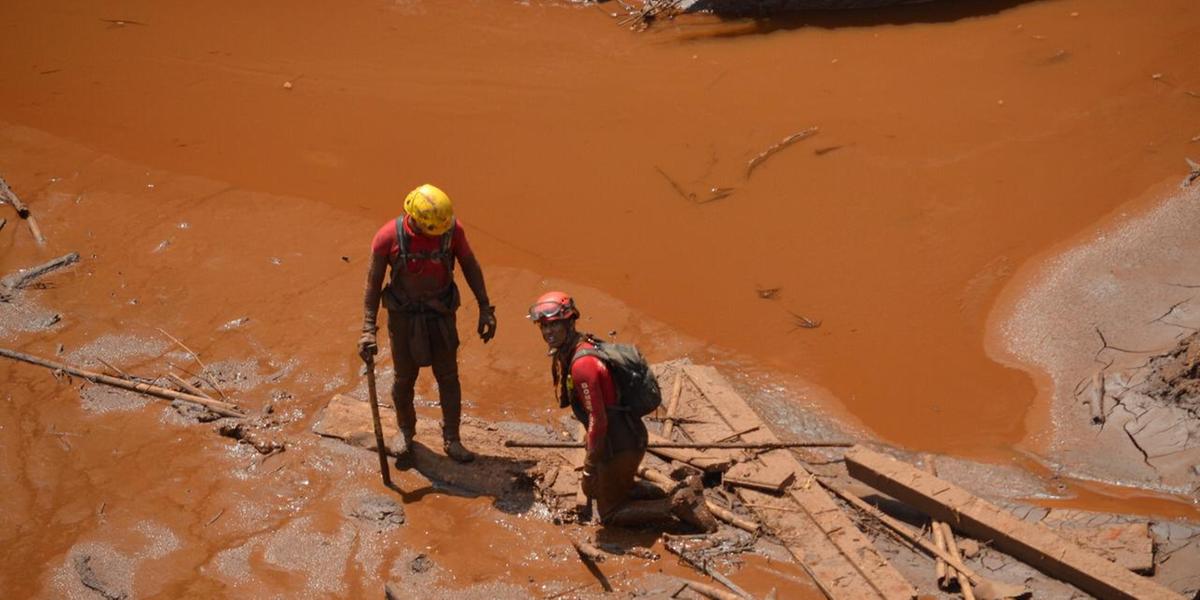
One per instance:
[(691, 445), (676, 391), (220, 408), (380, 448)]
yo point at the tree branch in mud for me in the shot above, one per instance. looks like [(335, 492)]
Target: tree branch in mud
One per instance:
[(776, 147), (22, 279), (220, 408), (203, 367)]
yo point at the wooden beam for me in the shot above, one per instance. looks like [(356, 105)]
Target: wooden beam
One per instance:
[(1034, 544)]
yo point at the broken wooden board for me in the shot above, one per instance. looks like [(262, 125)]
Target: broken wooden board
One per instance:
[(816, 531), (1032, 543)]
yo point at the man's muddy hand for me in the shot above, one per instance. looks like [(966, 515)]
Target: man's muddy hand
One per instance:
[(367, 347), (487, 323)]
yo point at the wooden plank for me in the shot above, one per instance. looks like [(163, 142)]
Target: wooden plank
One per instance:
[(1128, 544), (701, 459), (1034, 544), (817, 532)]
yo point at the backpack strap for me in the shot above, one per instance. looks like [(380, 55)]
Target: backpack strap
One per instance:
[(444, 253)]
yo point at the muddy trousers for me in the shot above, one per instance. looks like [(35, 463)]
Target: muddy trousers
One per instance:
[(443, 354), (624, 502)]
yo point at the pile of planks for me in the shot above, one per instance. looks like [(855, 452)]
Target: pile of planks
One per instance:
[(802, 508)]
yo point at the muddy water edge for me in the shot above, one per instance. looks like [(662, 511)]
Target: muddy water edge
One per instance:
[(265, 142)]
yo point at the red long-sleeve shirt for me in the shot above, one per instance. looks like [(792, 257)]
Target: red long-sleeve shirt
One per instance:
[(595, 391)]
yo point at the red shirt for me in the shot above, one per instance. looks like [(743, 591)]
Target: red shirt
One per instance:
[(594, 389), (386, 245)]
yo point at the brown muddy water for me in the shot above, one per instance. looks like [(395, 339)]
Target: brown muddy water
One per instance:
[(216, 161)]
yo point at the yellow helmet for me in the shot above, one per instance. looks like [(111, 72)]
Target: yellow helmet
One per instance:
[(430, 209)]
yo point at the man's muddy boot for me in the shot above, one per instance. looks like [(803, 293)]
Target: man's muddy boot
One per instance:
[(454, 449), (687, 504), (402, 447)]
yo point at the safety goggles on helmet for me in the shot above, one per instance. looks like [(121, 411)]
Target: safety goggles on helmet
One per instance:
[(552, 310)]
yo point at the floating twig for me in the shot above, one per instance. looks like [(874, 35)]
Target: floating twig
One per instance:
[(686, 195), (768, 293), (802, 322), (122, 22), (776, 147)]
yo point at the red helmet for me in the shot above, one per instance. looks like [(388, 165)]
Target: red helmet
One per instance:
[(553, 306)]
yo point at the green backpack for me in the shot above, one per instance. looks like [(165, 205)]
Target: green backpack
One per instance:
[(637, 389)]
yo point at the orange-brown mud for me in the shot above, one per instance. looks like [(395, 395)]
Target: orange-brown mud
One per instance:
[(217, 161)]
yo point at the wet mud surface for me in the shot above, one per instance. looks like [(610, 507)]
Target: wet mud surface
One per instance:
[(220, 170)]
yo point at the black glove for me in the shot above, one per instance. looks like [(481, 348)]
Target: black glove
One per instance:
[(367, 347), (487, 323)]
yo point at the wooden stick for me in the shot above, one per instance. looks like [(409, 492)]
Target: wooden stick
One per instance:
[(24, 277), (676, 391), (116, 370), (728, 516), (691, 445), (904, 532), (589, 555), (939, 536), (709, 591), (220, 408), (187, 387), (952, 547), (203, 367), (776, 147), (6, 193), (704, 568), (739, 434)]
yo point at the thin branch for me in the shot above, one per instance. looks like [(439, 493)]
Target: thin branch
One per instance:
[(776, 147), (196, 357)]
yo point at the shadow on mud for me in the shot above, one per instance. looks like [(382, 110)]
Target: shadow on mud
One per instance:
[(501, 478), (767, 16)]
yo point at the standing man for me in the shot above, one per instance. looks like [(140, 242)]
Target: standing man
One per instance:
[(616, 439), (421, 247)]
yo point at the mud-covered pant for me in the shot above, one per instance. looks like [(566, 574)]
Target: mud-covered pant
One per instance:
[(443, 352), (622, 501)]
